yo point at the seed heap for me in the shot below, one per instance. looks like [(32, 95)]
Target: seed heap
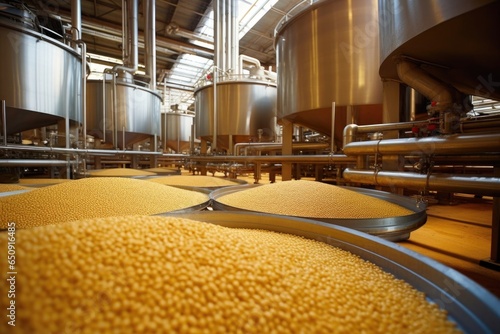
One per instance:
[(143, 274), (311, 199), (120, 172), (201, 181), (94, 197), (5, 187), (162, 170), (42, 181)]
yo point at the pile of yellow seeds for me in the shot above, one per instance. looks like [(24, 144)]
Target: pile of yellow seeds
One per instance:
[(144, 274), (6, 187), (201, 181), (42, 182), (120, 172), (94, 197), (311, 199), (162, 170)]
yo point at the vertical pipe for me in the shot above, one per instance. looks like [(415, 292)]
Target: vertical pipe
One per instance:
[(495, 227), (115, 114), (133, 34), (233, 37), (150, 41), (332, 144), (215, 134), (104, 106), (4, 122), (124, 32), (218, 37), (76, 20), (84, 92)]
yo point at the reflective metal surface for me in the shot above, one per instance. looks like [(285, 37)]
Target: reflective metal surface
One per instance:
[(455, 41), (243, 107), (137, 112), (391, 228), (474, 309), (327, 53), (176, 131), (40, 79)]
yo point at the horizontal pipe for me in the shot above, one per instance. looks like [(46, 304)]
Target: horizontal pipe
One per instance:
[(75, 150), (278, 146), (466, 160), (34, 162), (488, 186), (351, 131), (452, 144), (324, 159)]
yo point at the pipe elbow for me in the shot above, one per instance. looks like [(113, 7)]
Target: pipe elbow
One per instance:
[(350, 133), (432, 88)]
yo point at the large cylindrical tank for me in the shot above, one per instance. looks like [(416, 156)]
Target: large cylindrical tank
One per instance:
[(455, 41), (134, 113), (246, 112), (177, 130), (329, 52), (41, 78)]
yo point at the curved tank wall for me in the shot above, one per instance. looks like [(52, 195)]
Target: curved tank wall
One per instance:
[(137, 112), (455, 41), (176, 131), (328, 52), (244, 108), (41, 79)]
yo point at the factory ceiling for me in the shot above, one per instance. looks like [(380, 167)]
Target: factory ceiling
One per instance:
[(184, 35)]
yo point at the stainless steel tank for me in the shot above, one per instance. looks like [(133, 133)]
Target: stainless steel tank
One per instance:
[(133, 115), (41, 78), (455, 41), (246, 112), (329, 52), (177, 131)]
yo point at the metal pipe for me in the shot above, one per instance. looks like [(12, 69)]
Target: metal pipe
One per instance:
[(130, 38), (278, 146), (248, 59), (332, 145), (84, 90), (233, 37), (324, 158), (150, 41), (104, 107), (76, 20), (34, 162), (214, 139), (112, 33), (115, 113), (4, 122), (350, 134), (75, 150), (435, 90), (451, 144), (351, 131), (488, 186)]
